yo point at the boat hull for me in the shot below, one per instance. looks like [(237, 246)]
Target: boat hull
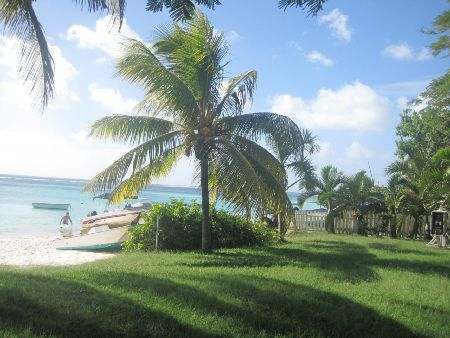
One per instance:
[(52, 206), (112, 219), (106, 240)]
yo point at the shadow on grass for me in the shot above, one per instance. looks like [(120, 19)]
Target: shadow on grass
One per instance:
[(49, 306), (395, 249), (339, 261), (260, 306)]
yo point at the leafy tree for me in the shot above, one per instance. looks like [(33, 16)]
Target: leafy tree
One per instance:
[(326, 188), (191, 110)]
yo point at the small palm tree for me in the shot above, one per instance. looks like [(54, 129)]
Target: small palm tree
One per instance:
[(191, 110), (359, 194), (325, 188)]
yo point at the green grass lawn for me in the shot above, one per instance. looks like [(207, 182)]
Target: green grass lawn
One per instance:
[(315, 285)]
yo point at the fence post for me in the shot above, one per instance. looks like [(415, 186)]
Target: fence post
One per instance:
[(157, 233)]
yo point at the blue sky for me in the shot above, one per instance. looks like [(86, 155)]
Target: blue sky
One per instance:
[(345, 74)]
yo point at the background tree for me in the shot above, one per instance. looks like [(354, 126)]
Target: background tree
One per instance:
[(190, 111), (294, 154), (359, 194), (326, 188), (441, 27)]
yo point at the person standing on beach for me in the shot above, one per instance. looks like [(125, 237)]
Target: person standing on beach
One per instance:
[(66, 219)]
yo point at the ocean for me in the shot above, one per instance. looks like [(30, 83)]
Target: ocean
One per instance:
[(17, 193)]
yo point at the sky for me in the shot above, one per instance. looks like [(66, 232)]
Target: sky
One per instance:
[(345, 74)]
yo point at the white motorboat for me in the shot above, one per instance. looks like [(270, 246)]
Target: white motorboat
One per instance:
[(113, 219), (105, 231), (98, 238)]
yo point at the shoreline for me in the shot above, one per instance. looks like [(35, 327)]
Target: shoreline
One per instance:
[(40, 251)]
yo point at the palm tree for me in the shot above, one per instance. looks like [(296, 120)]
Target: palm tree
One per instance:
[(359, 194), (325, 188), (191, 110), (412, 174), (36, 63), (294, 156), (393, 199)]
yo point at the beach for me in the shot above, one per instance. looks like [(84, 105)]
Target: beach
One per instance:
[(40, 250)]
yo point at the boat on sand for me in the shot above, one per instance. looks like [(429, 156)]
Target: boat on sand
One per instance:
[(102, 238), (105, 231)]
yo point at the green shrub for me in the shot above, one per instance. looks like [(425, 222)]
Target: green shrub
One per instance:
[(180, 229)]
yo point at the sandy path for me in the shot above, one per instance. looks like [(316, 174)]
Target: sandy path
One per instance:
[(33, 251)]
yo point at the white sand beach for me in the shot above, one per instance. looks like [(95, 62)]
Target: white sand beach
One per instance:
[(38, 251)]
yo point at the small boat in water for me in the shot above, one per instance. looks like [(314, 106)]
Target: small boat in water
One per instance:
[(53, 206)]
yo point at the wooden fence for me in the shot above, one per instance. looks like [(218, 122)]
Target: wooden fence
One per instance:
[(347, 224), (308, 220)]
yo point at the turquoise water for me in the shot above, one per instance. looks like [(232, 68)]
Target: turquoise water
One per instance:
[(18, 217)]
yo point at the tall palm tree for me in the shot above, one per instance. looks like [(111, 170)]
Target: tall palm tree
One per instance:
[(36, 64), (191, 110), (325, 188)]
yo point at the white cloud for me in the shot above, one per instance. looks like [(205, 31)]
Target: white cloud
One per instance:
[(356, 151), (338, 23), (111, 99), (313, 56), (400, 51), (403, 51), (353, 107), (317, 57), (105, 36)]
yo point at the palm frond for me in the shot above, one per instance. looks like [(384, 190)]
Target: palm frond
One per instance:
[(115, 8), (165, 91), (159, 167), (179, 9), (312, 6), (36, 64), (260, 126), (195, 52), (134, 160), (244, 179), (132, 129), (238, 92)]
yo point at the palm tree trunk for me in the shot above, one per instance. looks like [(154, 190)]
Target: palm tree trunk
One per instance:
[(206, 242), (329, 220)]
